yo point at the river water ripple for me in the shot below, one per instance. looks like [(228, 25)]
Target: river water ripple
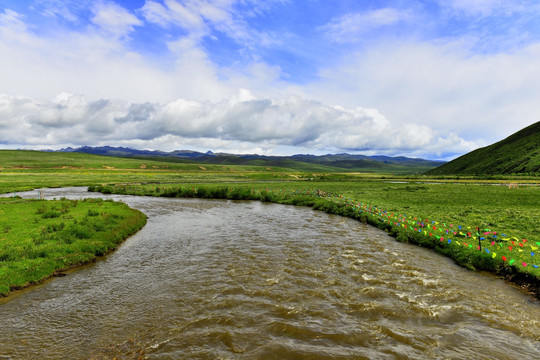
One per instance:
[(247, 280)]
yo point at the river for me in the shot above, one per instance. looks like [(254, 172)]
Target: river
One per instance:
[(209, 279)]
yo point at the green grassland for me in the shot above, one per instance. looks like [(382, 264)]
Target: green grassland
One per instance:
[(34, 160), (397, 204), (39, 238), (27, 170), (305, 163)]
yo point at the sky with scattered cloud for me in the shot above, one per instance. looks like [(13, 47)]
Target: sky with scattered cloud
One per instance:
[(427, 78)]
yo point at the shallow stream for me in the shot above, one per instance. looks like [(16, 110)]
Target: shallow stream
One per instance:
[(211, 279)]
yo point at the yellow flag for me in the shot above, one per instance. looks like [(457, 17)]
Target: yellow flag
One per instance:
[(534, 247), (494, 254)]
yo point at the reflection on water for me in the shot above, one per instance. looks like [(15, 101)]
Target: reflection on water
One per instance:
[(246, 280)]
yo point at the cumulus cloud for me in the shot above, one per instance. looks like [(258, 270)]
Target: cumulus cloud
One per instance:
[(97, 62), (441, 86), (99, 65), (233, 123), (435, 95)]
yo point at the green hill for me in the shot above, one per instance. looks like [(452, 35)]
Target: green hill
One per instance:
[(517, 154), (304, 163), (31, 160)]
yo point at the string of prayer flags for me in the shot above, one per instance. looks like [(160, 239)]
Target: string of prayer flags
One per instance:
[(436, 229)]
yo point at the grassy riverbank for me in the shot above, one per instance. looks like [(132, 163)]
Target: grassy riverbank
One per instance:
[(40, 238), (484, 227)]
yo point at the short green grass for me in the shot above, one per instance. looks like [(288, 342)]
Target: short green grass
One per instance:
[(38, 237)]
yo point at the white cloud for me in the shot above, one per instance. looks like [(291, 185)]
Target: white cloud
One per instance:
[(101, 66), (94, 63), (354, 26), (483, 98), (114, 19), (431, 97), (12, 19), (174, 13), (485, 8), (199, 19), (13, 28), (62, 9), (241, 122)]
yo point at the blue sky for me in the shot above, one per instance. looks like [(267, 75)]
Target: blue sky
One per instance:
[(432, 79)]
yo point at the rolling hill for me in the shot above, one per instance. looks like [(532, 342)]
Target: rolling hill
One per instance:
[(517, 154), (314, 163)]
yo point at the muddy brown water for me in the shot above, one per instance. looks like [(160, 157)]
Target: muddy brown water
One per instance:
[(246, 280)]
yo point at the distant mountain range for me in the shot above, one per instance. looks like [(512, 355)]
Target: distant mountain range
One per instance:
[(517, 154), (330, 162)]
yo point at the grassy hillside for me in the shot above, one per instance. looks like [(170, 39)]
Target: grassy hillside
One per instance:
[(27, 159), (303, 163), (517, 154)]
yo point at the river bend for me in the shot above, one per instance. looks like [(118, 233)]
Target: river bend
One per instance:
[(211, 279)]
